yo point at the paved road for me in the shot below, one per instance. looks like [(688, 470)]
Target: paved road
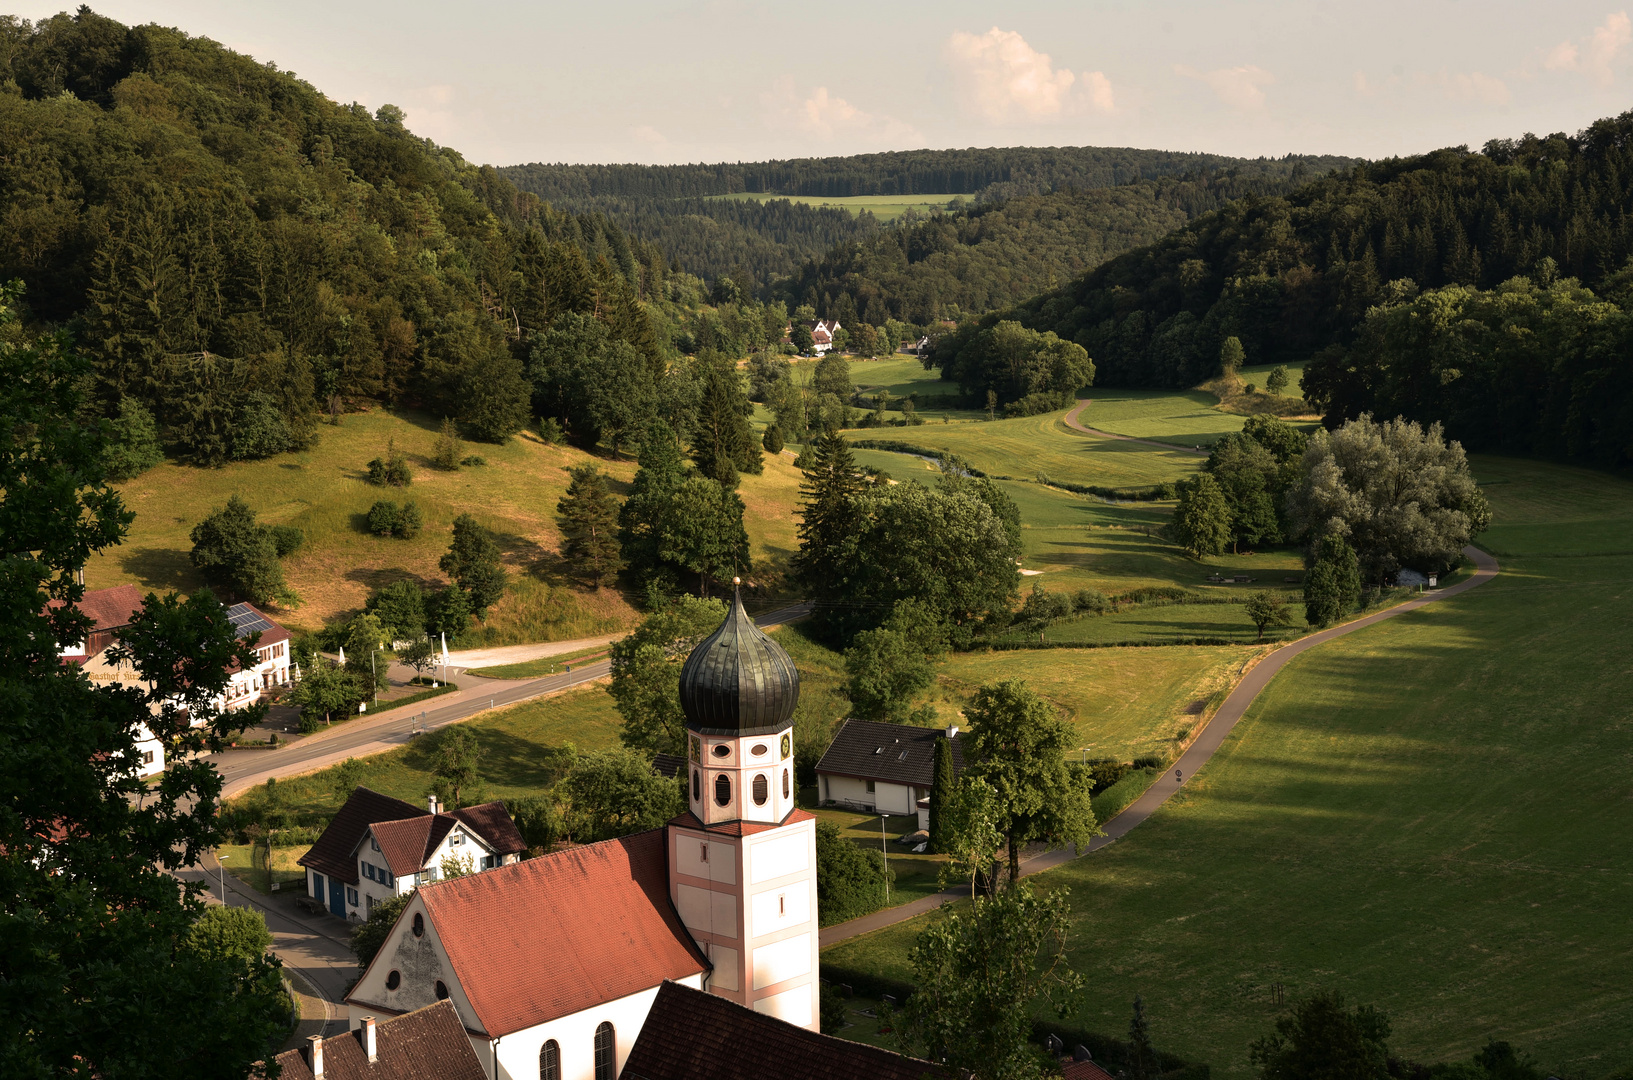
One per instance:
[(242, 769), (1071, 422), (1211, 738)]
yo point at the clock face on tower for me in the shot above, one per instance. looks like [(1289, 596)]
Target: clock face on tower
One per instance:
[(787, 744)]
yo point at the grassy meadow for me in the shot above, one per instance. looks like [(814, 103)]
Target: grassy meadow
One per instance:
[(322, 491), (1431, 814), (883, 207)]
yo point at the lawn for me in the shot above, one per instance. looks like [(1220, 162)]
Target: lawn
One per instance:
[(1182, 417), (1166, 622), (1125, 703), (249, 865), (883, 207), (1431, 815)]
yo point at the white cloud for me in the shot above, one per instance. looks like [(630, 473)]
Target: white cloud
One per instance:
[(650, 137), (1001, 78), (1596, 53), (1239, 87), (1475, 86), (826, 117)]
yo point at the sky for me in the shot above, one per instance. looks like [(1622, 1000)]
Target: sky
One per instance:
[(726, 80)]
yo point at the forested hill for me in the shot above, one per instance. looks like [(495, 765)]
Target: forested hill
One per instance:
[(1445, 250), (680, 208), (1000, 172), (239, 252), (994, 254)]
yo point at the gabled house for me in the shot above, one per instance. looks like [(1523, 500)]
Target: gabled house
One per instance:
[(271, 658), (377, 847), (108, 610), (426, 1044), (823, 332), (884, 768)]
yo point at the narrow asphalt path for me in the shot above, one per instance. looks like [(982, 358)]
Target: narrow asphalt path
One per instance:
[(243, 769), (1211, 738), (1071, 422)]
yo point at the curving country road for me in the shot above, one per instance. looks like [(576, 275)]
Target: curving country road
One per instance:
[(243, 769), (1202, 748), (1071, 422)]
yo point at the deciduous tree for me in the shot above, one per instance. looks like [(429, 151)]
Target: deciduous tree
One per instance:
[(1332, 585), (646, 672), (454, 762), (615, 792), (1265, 608), (1323, 1037), (472, 561), (1202, 518)]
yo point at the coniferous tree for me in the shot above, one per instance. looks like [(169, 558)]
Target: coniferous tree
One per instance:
[(723, 443), (1333, 583), (472, 561), (828, 516), (941, 790), (643, 519), (589, 525), (133, 447), (1142, 1058)]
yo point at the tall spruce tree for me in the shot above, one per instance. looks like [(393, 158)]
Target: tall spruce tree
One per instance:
[(723, 443), (472, 561), (589, 524), (644, 517), (942, 782), (828, 515), (1142, 1057)]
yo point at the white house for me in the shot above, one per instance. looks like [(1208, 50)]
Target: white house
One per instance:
[(271, 666), (377, 847), (884, 768), (554, 963), (823, 332), (104, 672)]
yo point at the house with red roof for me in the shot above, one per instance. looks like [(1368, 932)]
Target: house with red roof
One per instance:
[(554, 964), (823, 332), (377, 847)]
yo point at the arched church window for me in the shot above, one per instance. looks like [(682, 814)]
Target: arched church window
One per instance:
[(785, 783), (722, 789), (442, 990), (762, 790), (394, 980), (697, 785), (419, 925), (606, 1057), (550, 1061)]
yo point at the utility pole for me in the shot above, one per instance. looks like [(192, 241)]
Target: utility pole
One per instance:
[(221, 864), (886, 853)]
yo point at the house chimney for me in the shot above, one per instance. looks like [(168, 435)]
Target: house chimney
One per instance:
[(952, 731), (370, 1047), (314, 1055), (431, 803)]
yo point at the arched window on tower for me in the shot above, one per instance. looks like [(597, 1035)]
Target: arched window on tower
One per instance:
[(785, 783), (762, 790), (606, 1056), (697, 785), (550, 1061), (722, 790)]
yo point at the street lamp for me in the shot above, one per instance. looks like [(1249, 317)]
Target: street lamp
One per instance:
[(1085, 750), (221, 862), (886, 853)]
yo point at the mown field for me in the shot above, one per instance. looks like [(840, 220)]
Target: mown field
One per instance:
[(1432, 815)]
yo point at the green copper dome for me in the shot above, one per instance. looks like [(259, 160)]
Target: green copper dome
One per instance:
[(738, 681)]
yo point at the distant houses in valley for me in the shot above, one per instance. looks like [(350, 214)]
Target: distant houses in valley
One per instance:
[(377, 847), (823, 332)]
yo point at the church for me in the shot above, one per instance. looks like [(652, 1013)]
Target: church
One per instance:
[(554, 963)]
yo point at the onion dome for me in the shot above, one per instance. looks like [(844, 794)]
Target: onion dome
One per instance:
[(738, 682)]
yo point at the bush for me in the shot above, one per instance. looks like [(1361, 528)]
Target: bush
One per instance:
[(133, 444), (535, 818), (473, 459), (409, 522), (391, 470), (286, 539), (259, 429), (449, 447), (1151, 761), (1105, 772), (1090, 602), (238, 933), (383, 517), (1037, 404), (550, 431), (850, 880), (833, 1010)]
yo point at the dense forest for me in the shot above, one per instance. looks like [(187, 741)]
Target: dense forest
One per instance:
[(757, 242), (995, 254), (1294, 277), (238, 254)]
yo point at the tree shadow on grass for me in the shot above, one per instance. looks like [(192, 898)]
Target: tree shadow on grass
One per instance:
[(162, 569)]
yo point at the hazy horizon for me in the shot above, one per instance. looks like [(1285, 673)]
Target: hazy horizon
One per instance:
[(728, 81)]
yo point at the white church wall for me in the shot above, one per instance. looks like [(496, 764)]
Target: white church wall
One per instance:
[(782, 960), (779, 857), (724, 960), (778, 909), (518, 1052), (793, 1006), (420, 963)]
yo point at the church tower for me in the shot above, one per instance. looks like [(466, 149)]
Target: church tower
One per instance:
[(742, 859)]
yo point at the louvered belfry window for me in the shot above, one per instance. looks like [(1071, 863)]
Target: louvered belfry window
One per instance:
[(762, 790), (722, 790)]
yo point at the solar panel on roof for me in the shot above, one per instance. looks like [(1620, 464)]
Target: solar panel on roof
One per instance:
[(246, 620)]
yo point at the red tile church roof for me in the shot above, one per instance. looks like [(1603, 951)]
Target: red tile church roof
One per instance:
[(541, 939)]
